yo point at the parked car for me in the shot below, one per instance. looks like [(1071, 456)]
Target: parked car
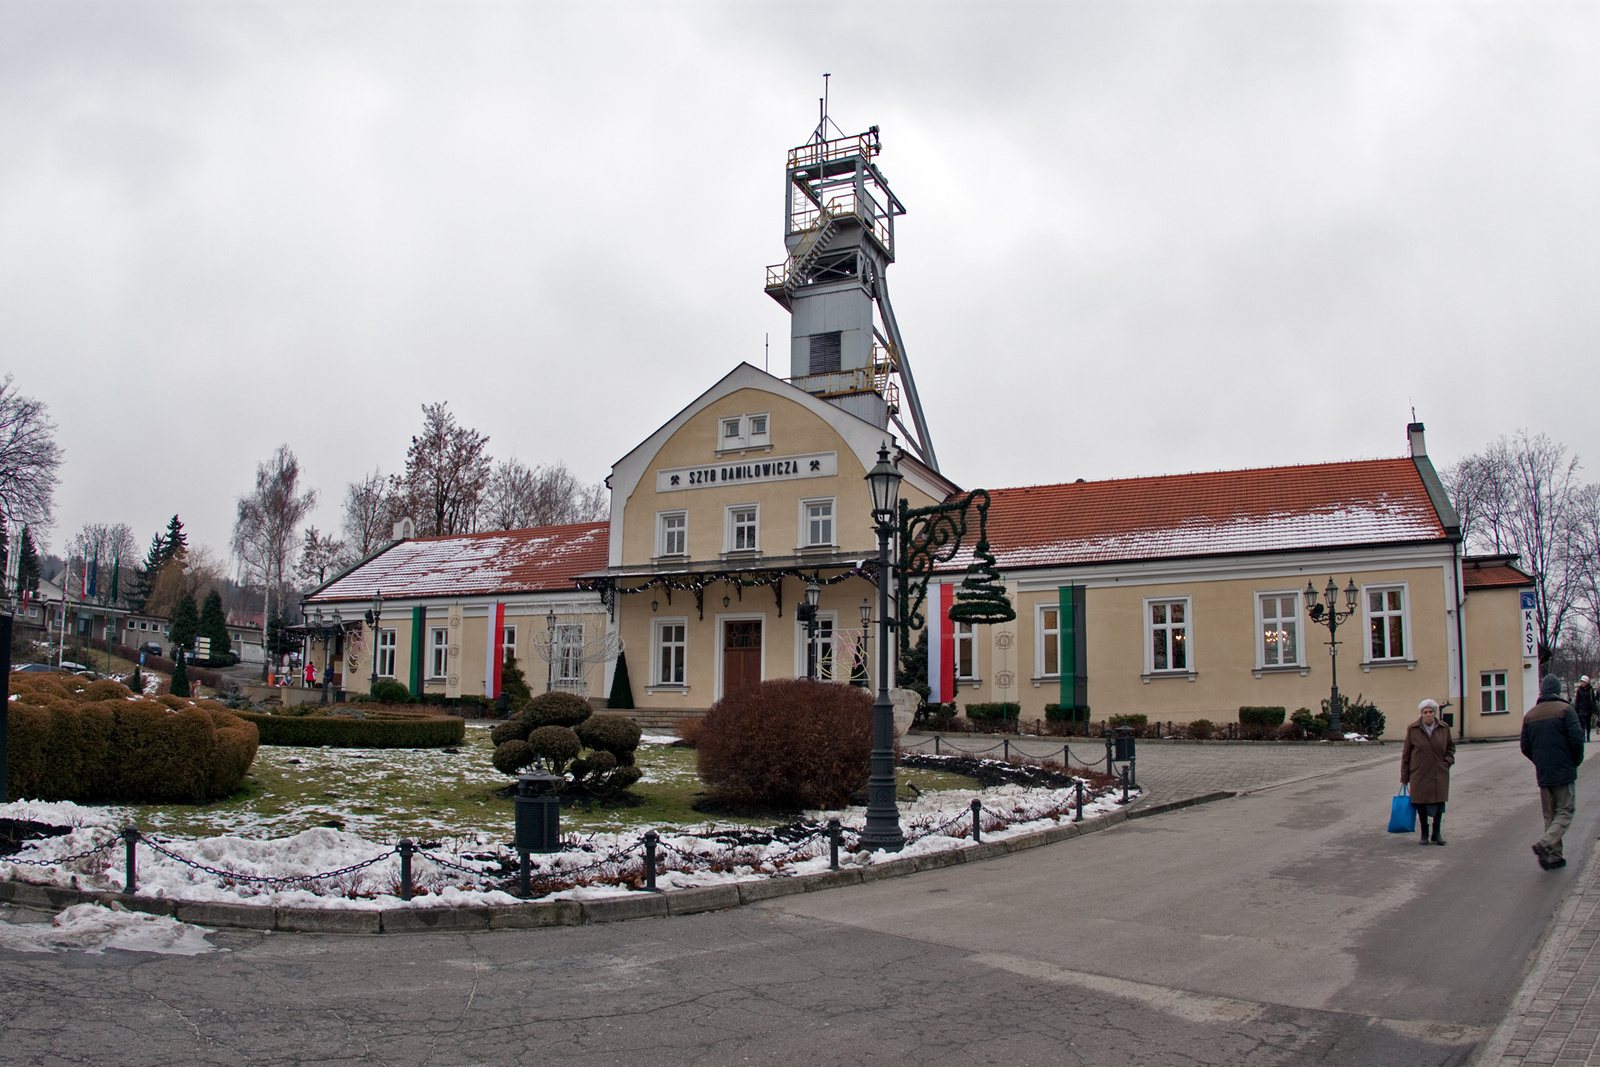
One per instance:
[(38, 668), (152, 648)]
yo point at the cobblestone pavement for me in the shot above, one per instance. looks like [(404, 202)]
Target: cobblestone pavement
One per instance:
[(1174, 770), (1555, 1018)]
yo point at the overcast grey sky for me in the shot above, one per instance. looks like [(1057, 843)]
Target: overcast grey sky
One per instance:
[(1142, 238)]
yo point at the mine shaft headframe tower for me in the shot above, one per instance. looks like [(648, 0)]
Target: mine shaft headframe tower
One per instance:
[(839, 229)]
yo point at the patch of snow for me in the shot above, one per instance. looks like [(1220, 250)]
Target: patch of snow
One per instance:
[(657, 739), (93, 928)]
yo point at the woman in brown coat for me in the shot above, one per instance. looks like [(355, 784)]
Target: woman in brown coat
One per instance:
[(1425, 763)]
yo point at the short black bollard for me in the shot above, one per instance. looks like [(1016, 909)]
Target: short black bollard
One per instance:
[(1079, 816), (130, 837), (1124, 784), (1109, 753), (977, 827), (1007, 743), (406, 848), (834, 833), (650, 840), (523, 872), (1133, 772), (935, 744)]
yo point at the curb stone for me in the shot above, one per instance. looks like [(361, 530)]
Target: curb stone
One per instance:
[(536, 914)]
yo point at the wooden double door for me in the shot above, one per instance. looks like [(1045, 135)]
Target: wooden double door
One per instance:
[(741, 654)]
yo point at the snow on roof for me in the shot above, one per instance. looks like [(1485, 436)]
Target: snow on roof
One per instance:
[(1215, 513), (503, 561)]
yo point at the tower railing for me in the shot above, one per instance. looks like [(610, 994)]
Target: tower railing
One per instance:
[(817, 223), (815, 153)]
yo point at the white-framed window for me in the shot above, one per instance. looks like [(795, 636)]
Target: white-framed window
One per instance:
[(1167, 632), (386, 647), (816, 523), (966, 651), (732, 432), (818, 656), (669, 648), (1049, 647), (508, 643), (569, 652), (1386, 622), (438, 652), (672, 533), (756, 432), (1492, 692), (744, 521), (1278, 630)]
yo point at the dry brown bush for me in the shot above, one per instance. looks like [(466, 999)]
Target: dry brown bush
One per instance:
[(790, 745)]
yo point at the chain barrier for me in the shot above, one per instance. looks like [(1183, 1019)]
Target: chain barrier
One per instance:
[(266, 879), (64, 860), (441, 861)]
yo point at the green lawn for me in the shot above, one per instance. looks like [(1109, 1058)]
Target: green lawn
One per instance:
[(430, 794)]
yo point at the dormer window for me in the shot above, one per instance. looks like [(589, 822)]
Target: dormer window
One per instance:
[(744, 431), (730, 432)]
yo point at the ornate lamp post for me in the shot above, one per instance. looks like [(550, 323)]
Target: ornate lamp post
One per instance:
[(883, 815), (1327, 613), (550, 644), (374, 615), (808, 615)]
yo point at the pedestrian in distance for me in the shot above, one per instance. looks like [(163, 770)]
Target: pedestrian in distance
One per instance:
[(1425, 761), (1553, 740), (311, 675), (1583, 702)]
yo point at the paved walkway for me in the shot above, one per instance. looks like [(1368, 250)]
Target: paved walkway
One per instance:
[(1169, 771), (1555, 1018)]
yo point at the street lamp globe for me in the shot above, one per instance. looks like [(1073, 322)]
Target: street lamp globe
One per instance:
[(1351, 594), (866, 612), (813, 593), (884, 480)]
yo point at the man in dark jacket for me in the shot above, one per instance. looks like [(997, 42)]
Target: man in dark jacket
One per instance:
[(1583, 703), (1553, 740)]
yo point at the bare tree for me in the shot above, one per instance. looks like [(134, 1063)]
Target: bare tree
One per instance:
[(196, 572), (318, 556), (29, 459), (548, 495), (103, 550), (1585, 554), (371, 505), (266, 531), (447, 472)]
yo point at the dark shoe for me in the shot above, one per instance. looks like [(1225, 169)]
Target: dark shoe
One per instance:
[(1557, 862), (1544, 856), (1439, 841)]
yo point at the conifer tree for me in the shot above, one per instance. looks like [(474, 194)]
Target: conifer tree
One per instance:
[(621, 689), (185, 621), (513, 684), (177, 543), (214, 624), (180, 677), (27, 564)]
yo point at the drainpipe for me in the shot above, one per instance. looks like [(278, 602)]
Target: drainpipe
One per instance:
[(1461, 644)]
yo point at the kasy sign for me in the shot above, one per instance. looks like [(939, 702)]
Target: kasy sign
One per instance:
[(1530, 629), (773, 469)]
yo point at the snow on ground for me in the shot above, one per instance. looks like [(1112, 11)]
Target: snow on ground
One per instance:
[(280, 871), (92, 928)]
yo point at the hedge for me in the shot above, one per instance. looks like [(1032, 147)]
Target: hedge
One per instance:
[(993, 711), (1139, 719), (1057, 713), (379, 729), (90, 741), (1262, 716)]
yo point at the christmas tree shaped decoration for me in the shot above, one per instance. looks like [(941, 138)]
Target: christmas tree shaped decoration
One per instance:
[(982, 596)]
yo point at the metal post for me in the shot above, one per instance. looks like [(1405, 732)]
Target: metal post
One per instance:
[(5, 702), (935, 744), (523, 872), (834, 834), (1007, 743), (883, 815), (1079, 816), (130, 838), (977, 828), (1111, 770), (1133, 772), (1124, 784), (406, 848), (650, 840)]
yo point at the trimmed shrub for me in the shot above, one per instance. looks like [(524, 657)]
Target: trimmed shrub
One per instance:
[(388, 691), (86, 742), (1262, 716), (179, 686), (613, 735), (556, 709), (689, 730), (1057, 713), (1315, 725), (374, 729), (1202, 729), (557, 745), (621, 698), (993, 711), (788, 744), (511, 756), (1128, 720)]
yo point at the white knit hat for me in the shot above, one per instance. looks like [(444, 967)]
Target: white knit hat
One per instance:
[(1428, 702)]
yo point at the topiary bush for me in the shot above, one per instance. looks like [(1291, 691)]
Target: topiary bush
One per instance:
[(1129, 720), (556, 745), (559, 726), (789, 744), (1057, 713), (1262, 716), (388, 691), (556, 709), (1202, 729), (72, 740), (611, 734), (993, 711)]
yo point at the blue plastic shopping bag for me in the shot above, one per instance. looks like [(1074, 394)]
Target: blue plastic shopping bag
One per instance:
[(1402, 816)]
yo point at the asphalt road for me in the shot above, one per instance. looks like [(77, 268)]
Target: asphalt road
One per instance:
[(1281, 927)]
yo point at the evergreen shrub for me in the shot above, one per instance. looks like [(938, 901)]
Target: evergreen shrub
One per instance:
[(1129, 720), (993, 711), (1262, 716), (387, 691), (1057, 713), (1202, 729), (375, 729), (96, 741), (787, 744), (621, 698), (556, 745)]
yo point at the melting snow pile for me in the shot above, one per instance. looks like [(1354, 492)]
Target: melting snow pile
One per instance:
[(92, 928)]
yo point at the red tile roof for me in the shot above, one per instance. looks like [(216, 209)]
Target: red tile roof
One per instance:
[(504, 561), (1324, 505), (1493, 573)]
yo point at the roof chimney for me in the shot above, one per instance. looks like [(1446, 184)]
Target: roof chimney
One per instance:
[(1418, 447)]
